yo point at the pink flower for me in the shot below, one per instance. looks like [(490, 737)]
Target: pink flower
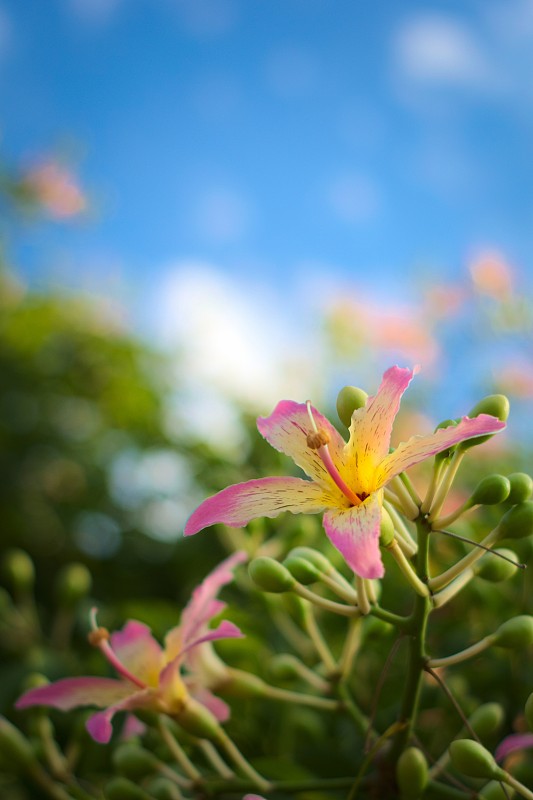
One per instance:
[(512, 743), (150, 676), (347, 478)]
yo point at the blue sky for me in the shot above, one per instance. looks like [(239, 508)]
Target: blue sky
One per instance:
[(285, 146)]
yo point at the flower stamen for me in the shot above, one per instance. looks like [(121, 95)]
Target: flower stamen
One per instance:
[(99, 637), (318, 440)]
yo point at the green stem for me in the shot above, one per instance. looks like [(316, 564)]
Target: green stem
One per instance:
[(417, 657), (517, 786)]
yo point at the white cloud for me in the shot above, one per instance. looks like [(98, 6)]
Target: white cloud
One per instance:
[(354, 198), (438, 49)]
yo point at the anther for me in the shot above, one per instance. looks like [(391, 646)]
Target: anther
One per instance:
[(318, 438), (97, 636)]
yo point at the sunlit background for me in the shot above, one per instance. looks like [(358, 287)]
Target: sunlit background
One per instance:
[(279, 197)]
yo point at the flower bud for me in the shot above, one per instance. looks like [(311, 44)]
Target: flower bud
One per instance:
[(521, 487), (15, 749), (517, 523), (73, 584), (317, 559), (515, 633), (496, 405), (197, 720), (494, 791), (133, 761), (486, 719), (123, 789), (493, 569), (19, 570), (446, 423), (301, 569), (529, 711), (270, 575), (412, 773), (163, 789), (349, 399), (240, 683), (491, 490), (284, 667), (386, 534), (472, 759)]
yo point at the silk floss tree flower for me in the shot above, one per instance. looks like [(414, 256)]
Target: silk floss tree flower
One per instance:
[(151, 677), (347, 478)]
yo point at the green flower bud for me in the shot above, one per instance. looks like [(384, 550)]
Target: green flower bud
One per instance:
[(386, 534), (515, 633), (494, 791), (73, 584), (496, 405), (412, 773), (446, 423), (472, 759), (491, 490), (19, 570), (16, 750), (163, 789), (317, 559), (240, 683), (486, 719), (517, 523), (284, 667), (34, 681), (521, 487), (133, 761), (349, 399), (270, 575), (301, 569), (529, 711), (494, 569), (123, 789)]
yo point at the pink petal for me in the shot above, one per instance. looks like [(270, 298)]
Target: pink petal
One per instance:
[(287, 428), (418, 448), (355, 533), (132, 727), (203, 605), (136, 648), (253, 797), (73, 692), (514, 742), (265, 497), (371, 428), (226, 630), (99, 725), (219, 709)]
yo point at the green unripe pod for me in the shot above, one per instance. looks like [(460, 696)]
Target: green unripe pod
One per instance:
[(529, 711), (494, 569), (521, 487), (317, 559), (517, 523), (270, 575), (496, 405), (15, 749), (19, 570), (73, 583), (133, 761), (123, 789), (301, 569), (472, 759), (412, 773), (349, 399), (386, 533), (491, 490), (515, 633), (487, 719)]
